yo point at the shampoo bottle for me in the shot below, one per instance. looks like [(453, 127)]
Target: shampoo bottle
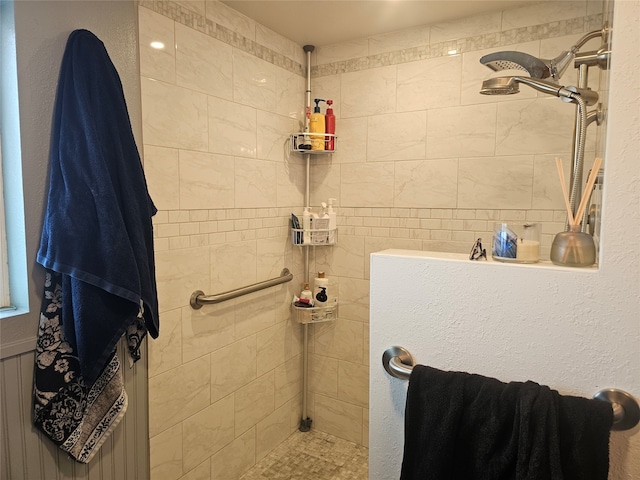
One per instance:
[(313, 235), (330, 126), (316, 125), (322, 225), (306, 226), (333, 224), (306, 139), (320, 293)]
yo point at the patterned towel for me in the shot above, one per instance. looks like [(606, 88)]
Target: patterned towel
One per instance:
[(78, 419)]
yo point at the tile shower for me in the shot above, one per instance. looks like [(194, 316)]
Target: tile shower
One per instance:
[(423, 162)]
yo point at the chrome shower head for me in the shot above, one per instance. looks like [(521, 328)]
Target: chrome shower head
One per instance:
[(500, 86), (510, 85), (540, 68), (535, 67), (509, 60)]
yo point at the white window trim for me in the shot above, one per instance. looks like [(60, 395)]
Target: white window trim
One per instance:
[(5, 294), (14, 254)]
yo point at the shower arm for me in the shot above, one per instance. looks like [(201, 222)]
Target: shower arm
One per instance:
[(600, 57), (603, 32)]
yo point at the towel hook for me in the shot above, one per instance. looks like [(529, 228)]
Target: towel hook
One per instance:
[(398, 362)]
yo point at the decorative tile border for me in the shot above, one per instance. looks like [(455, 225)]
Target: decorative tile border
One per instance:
[(207, 26), (461, 45), (191, 19), (441, 229)]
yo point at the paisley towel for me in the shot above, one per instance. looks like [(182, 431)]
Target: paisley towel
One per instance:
[(77, 418)]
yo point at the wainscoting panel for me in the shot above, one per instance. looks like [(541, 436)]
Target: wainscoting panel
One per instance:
[(26, 454)]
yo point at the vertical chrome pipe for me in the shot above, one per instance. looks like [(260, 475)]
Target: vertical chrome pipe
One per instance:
[(307, 196), (305, 421), (307, 113)]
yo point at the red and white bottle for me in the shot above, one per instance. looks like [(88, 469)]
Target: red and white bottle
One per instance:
[(330, 126)]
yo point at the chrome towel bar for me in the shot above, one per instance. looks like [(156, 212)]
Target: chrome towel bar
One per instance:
[(398, 362), (198, 298)]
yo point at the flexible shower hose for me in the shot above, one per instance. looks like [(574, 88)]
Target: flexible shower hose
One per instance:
[(578, 160)]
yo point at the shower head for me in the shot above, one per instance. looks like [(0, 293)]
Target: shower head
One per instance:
[(534, 66), (510, 85), (540, 68), (500, 86)]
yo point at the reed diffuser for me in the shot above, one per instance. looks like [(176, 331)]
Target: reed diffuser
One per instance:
[(575, 248)]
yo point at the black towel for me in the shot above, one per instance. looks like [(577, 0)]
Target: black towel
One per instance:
[(97, 228), (461, 426)]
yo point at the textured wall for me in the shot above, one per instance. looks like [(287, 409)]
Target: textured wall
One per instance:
[(42, 29), (573, 329)]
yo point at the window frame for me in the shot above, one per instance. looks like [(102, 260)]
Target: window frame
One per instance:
[(11, 178)]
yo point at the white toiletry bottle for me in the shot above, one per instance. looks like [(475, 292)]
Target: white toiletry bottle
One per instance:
[(313, 236), (320, 290), (306, 226), (333, 223), (322, 226), (306, 293)]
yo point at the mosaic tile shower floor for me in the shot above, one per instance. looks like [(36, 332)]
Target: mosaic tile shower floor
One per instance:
[(313, 456)]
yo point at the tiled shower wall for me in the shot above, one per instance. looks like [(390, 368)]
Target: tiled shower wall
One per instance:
[(423, 162), (416, 136), (225, 380)]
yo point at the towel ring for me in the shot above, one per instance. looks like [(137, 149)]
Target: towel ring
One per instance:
[(399, 363)]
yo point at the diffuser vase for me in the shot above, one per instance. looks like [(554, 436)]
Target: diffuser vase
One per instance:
[(573, 248)]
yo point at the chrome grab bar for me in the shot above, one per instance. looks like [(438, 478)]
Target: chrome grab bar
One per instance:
[(399, 363), (198, 298)]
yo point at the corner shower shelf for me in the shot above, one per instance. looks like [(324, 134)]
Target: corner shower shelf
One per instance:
[(297, 140), (315, 314), (314, 237)]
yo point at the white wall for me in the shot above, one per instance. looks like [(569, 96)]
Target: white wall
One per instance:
[(42, 29), (576, 330)]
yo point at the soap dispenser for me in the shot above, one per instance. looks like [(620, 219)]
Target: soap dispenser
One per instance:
[(317, 125), (320, 287)]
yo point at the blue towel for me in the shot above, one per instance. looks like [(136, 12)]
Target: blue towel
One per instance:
[(97, 228)]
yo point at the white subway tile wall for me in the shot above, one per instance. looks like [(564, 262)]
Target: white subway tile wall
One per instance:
[(423, 162)]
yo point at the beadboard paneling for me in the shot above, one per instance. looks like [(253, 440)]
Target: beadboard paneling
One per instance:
[(26, 454)]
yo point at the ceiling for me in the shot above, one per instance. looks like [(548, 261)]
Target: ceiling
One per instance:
[(325, 22)]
